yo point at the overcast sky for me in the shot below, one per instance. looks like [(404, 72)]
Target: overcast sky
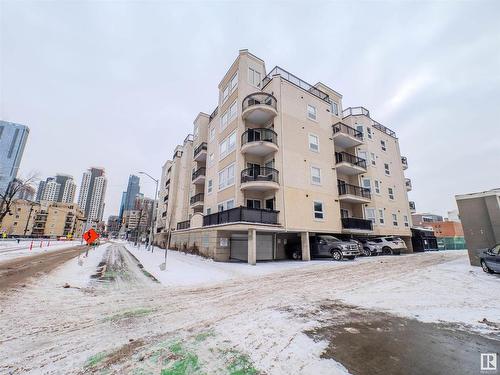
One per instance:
[(118, 84)]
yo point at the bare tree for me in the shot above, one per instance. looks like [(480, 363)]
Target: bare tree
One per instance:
[(8, 197)]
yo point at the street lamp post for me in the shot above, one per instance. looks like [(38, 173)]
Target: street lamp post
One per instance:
[(153, 220)]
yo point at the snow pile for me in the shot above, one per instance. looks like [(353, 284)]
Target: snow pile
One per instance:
[(13, 250)]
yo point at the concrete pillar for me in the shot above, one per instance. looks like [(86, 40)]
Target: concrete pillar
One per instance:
[(252, 247), (306, 252)]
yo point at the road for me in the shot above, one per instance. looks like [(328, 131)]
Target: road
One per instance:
[(125, 322)]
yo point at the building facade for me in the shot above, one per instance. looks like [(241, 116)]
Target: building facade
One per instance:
[(480, 217), (423, 219), (13, 139), (92, 194), (129, 196), (61, 188), (280, 160), (113, 225)]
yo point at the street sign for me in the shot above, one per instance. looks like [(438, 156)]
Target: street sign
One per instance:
[(90, 236)]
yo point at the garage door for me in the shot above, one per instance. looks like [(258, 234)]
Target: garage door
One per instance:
[(265, 246), (239, 247)]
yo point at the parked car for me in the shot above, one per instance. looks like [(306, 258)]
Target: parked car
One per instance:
[(329, 246), (390, 245), (369, 247), (490, 259)]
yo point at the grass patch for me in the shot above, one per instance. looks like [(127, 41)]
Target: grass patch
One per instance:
[(188, 364), (203, 336), (95, 359), (129, 314), (241, 365)]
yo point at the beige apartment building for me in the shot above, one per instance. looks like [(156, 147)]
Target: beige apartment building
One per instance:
[(22, 220), (276, 162)]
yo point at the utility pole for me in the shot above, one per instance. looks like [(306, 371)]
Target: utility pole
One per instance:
[(153, 217)]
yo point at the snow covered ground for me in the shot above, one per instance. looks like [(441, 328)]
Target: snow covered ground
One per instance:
[(11, 249)]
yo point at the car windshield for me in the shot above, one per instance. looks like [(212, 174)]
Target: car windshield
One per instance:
[(329, 238)]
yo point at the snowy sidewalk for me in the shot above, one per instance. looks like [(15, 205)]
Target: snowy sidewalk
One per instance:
[(11, 249)]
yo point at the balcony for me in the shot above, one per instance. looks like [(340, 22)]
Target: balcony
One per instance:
[(354, 224), (183, 225), (413, 207), (355, 111), (198, 177), (408, 184), (259, 142), (345, 137), (197, 200), (259, 179), (259, 108), (200, 152), (242, 214), (353, 193), (349, 164), (404, 161)]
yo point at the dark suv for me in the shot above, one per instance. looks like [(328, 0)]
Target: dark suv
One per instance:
[(490, 259)]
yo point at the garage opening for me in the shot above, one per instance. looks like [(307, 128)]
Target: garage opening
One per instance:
[(265, 246)]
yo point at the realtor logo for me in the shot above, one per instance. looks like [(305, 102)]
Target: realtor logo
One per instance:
[(488, 361)]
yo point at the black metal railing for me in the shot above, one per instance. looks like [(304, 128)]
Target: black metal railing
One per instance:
[(287, 76), (340, 127), (214, 113), (348, 189), (408, 183), (404, 161), (355, 111), (259, 98), (200, 148), (242, 214), (183, 224), (384, 129), (197, 198), (356, 223), (200, 172), (259, 174), (412, 205), (260, 134), (349, 158)]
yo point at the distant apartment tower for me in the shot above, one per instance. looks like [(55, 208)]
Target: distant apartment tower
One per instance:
[(480, 216), (13, 139), (92, 194), (61, 188), (128, 196)]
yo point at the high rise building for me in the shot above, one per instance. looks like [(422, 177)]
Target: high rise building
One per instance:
[(61, 188), (92, 194), (129, 196), (13, 139)]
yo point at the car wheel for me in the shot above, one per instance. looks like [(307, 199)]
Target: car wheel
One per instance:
[(296, 255), (485, 267), (386, 250), (336, 255), (367, 252)]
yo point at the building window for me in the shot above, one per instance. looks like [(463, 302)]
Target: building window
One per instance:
[(391, 193), (386, 169), (383, 146), (230, 204), (212, 133), (381, 218), (209, 186), (195, 133), (318, 210), (311, 112), (209, 211), (228, 116), (405, 221), (253, 203), (360, 129), (315, 176), (377, 186), (211, 159), (254, 77), (370, 214), (395, 220), (313, 143), (226, 177), (335, 108), (362, 155), (225, 94), (369, 132), (344, 213), (367, 183), (231, 86), (227, 145), (373, 158)]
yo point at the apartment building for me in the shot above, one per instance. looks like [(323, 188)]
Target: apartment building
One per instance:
[(92, 194), (280, 160), (13, 138), (22, 220)]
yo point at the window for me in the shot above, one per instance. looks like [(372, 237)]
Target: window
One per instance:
[(211, 159), (367, 183), (227, 205), (315, 176), (254, 77), (228, 116), (233, 112), (311, 112), (225, 94), (369, 132), (395, 220), (209, 211), (344, 213), (226, 177), (318, 210), (209, 186), (381, 218), (313, 143), (253, 203), (387, 170), (231, 86), (370, 215), (230, 204), (212, 133), (362, 155), (383, 146), (360, 129), (335, 108), (195, 133), (391, 193), (405, 221), (227, 145), (223, 121), (373, 158), (377, 186)]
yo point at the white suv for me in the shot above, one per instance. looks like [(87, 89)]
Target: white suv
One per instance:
[(390, 245)]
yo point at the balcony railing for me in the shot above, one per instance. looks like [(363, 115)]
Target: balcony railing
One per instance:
[(384, 129), (408, 183), (259, 174), (412, 205), (259, 134), (242, 214), (258, 98), (197, 198), (200, 148), (214, 113), (348, 189), (404, 161), (200, 172), (355, 111), (340, 127), (355, 223), (287, 76), (349, 158), (183, 225)]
